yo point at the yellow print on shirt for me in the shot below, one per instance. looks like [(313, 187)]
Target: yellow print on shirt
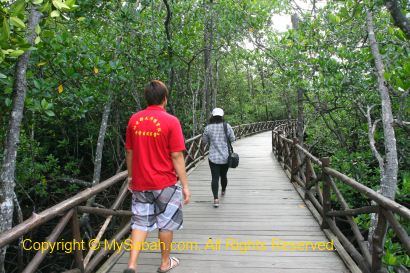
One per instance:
[(141, 120)]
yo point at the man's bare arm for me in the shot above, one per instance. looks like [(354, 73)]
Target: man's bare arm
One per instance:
[(129, 166), (179, 165)]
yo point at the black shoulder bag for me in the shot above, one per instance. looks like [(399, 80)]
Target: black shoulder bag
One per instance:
[(233, 158)]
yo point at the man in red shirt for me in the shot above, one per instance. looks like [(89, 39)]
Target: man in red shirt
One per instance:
[(155, 145)]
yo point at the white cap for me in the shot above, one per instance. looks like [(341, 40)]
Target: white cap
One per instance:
[(218, 112)]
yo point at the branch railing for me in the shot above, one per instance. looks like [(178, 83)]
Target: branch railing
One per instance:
[(318, 183), (67, 211)]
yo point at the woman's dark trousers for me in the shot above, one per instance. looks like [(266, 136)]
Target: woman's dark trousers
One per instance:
[(218, 170)]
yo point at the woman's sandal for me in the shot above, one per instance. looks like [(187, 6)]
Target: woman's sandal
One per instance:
[(173, 262)]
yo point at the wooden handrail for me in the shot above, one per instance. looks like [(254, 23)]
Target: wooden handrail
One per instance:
[(298, 162), (373, 195), (196, 151), (38, 219)]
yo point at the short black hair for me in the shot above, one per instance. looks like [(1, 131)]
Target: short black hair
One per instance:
[(216, 119), (155, 92)]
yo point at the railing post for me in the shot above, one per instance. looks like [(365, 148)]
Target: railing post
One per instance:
[(281, 151), (273, 142), (295, 163), (78, 252), (378, 243), (308, 175), (326, 193)]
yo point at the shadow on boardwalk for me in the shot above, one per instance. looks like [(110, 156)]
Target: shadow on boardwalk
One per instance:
[(261, 205)]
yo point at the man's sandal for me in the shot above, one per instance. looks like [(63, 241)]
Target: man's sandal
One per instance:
[(173, 262), (129, 270)]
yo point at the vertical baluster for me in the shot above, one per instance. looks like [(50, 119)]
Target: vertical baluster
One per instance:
[(308, 175), (273, 143), (378, 244), (75, 229), (295, 163), (280, 148), (326, 193)]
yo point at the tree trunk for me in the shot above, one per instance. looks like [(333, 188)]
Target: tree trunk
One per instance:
[(8, 168), (261, 75), (249, 81), (118, 147), (300, 121), (288, 106), (208, 40), (215, 89), (389, 180), (399, 19), (388, 183), (100, 144), (18, 220), (136, 97), (85, 218), (250, 88), (98, 160), (171, 74), (195, 95), (239, 90)]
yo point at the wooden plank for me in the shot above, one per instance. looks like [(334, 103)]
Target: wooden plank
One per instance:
[(150, 269), (260, 204), (240, 260)]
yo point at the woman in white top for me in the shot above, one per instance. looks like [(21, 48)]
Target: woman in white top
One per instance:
[(214, 134)]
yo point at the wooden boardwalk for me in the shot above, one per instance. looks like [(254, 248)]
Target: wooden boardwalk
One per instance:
[(260, 205)]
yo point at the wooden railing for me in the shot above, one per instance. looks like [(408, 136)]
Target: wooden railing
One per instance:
[(196, 151), (318, 183), (68, 211)]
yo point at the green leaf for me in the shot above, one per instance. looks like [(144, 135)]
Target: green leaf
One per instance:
[(5, 31), (18, 7), (8, 102), (17, 22), (391, 259), (113, 64), (334, 18), (2, 76), (60, 5), (46, 7), (55, 13), (44, 104), (70, 3), (37, 2), (37, 84), (387, 76), (38, 29), (400, 34), (50, 113), (16, 53), (37, 40), (406, 68)]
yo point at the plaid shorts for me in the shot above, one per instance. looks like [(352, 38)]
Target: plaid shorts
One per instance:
[(160, 209)]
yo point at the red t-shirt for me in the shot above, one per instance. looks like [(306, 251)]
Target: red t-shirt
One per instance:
[(152, 135)]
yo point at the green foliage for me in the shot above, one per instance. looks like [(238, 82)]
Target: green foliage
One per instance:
[(90, 51), (14, 16), (38, 173), (363, 221), (394, 255), (85, 55)]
